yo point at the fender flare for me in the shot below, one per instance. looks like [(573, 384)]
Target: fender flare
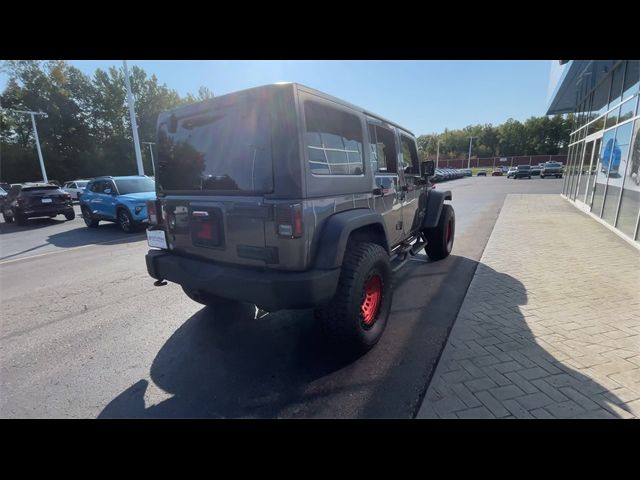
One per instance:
[(335, 232), (435, 201)]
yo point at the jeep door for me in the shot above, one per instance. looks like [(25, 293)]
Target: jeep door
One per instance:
[(384, 164), (412, 184)]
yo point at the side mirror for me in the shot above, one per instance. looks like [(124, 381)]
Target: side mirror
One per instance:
[(428, 168)]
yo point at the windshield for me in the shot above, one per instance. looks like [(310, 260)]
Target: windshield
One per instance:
[(225, 149), (135, 185), (524, 167), (81, 184)]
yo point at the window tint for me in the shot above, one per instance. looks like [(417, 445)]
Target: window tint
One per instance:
[(334, 141), (96, 187), (384, 158), (135, 185), (410, 156)]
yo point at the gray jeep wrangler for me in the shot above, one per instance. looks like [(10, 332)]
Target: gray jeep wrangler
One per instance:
[(284, 197)]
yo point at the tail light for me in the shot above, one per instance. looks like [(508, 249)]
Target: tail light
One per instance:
[(155, 212), (289, 220)]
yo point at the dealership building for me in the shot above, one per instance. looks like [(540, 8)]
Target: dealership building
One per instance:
[(602, 171)]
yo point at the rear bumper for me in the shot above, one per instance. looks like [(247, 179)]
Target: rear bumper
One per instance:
[(268, 289), (48, 210)]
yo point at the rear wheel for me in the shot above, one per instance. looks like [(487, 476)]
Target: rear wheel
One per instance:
[(89, 221), (355, 319), (70, 216), (440, 238)]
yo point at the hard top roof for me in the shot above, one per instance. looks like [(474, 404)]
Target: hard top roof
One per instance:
[(294, 85)]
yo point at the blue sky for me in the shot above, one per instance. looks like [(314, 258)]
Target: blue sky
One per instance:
[(424, 96)]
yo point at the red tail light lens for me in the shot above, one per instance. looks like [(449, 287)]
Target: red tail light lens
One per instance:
[(155, 216), (289, 220)]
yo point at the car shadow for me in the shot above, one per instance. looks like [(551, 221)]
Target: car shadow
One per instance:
[(492, 325), (225, 364)]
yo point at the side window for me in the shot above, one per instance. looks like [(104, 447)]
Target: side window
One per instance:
[(108, 185), (96, 187), (334, 140), (410, 156), (71, 185), (383, 150)]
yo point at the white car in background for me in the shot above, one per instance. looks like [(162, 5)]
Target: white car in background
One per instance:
[(75, 188)]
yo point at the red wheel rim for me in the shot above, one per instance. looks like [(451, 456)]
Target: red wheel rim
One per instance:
[(371, 302)]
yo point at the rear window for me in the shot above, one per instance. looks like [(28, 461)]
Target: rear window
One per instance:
[(225, 149), (524, 167), (135, 185), (29, 190)]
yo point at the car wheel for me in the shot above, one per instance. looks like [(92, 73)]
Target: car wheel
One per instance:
[(125, 221), (70, 216), (440, 238), (353, 322), (89, 221), (20, 219)]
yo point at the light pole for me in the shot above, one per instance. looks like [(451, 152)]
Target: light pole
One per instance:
[(35, 133), (469, 161), (151, 151), (438, 153), (134, 125)]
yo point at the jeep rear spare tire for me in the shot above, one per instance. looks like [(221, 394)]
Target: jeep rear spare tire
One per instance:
[(355, 319), (440, 238)]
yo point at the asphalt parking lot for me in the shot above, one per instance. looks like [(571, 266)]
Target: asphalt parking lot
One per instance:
[(85, 333)]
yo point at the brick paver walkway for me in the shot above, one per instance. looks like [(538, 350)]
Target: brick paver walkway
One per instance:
[(550, 325)]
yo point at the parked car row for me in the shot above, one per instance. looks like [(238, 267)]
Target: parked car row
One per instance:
[(444, 174), (121, 200), (543, 170)]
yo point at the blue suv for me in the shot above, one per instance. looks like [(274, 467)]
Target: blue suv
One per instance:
[(117, 199)]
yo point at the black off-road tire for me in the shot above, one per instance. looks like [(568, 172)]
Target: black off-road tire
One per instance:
[(20, 219), (440, 239), (343, 322), (70, 215), (89, 221), (125, 221)]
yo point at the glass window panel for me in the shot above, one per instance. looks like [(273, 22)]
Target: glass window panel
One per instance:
[(617, 167), (596, 126), (584, 171), (601, 96), (603, 166), (630, 201), (626, 110), (612, 118), (616, 85), (632, 78)]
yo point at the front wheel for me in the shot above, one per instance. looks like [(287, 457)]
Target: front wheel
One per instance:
[(440, 238), (353, 322), (89, 221), (70, 216), (125, 221)]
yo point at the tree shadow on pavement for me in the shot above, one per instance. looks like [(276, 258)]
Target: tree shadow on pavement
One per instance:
[(492, 346)]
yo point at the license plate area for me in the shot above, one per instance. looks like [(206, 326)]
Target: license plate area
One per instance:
[(47, 200), (157, 239), (207, 227)]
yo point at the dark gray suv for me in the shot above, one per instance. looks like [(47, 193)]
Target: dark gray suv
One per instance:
[(284, 197)]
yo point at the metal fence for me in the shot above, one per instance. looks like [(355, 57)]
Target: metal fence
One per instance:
[(492, 162)]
